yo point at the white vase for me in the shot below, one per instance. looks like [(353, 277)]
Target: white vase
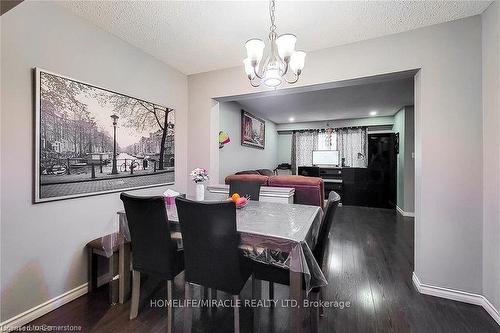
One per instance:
[(200, 192)]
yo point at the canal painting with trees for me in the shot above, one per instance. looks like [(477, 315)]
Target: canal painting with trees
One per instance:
[(91, 140)]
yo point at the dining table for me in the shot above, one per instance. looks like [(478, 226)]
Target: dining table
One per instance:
[(274, 233)]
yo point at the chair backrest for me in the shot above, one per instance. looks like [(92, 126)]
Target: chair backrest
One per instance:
[(210, 240), (152, 247), (326, 224), (245, 188)]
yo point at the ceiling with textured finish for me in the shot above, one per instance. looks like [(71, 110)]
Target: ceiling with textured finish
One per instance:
[(356, 101), (200, 36)]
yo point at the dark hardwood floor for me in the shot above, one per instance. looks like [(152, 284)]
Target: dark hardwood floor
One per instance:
[(370, 263)]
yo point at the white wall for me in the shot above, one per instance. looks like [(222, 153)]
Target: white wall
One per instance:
[(42, 246), (449, 234), (399, 127), (235, 157), (491, 153), (404, 125), (285, 148), (409, 172)]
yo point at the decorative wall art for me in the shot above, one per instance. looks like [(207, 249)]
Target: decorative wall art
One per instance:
[(253, 131), (91, 140)]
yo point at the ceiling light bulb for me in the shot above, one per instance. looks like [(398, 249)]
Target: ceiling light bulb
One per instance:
[(297, 61), (248, 68), (286, 46), (272, 77), (255, 49), (373, 113)]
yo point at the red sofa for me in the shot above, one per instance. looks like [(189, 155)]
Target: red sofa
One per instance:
[(308, 190)]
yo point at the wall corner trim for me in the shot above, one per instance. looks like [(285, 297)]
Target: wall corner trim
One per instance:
[(42, 309), (406, 214), (457, 295)]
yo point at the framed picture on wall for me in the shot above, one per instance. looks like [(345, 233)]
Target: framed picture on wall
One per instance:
[(253, 131), (91, 140)]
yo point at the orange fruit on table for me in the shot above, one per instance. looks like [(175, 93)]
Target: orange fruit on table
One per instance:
[(235, 197)]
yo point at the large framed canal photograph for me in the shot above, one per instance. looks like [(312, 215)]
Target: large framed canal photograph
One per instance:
[(91, 140)]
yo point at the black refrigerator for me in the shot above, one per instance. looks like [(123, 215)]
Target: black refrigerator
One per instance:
[(381, 173)]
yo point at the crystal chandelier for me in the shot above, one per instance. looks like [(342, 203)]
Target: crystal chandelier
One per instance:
[(282, 64)]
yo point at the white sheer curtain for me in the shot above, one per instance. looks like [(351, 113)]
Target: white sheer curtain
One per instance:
[(327, 140), (303, 145), (351, 142)]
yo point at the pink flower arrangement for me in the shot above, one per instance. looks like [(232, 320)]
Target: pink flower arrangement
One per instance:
[(199, 175)]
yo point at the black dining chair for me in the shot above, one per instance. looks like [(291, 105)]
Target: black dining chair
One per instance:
[(245, 188), (212, 257), (153, 250), (275, 274)]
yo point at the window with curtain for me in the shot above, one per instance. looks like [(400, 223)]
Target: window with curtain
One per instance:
[(303, 144), (353, 146), (351, 142)]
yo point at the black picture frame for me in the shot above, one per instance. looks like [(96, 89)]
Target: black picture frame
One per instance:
[(74, 138)]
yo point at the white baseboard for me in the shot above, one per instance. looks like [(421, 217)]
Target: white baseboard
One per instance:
[(42, 309), (457, 295), (493, 312), (406, 214)]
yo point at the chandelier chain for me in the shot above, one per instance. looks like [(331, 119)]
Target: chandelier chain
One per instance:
[(272, 16)]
